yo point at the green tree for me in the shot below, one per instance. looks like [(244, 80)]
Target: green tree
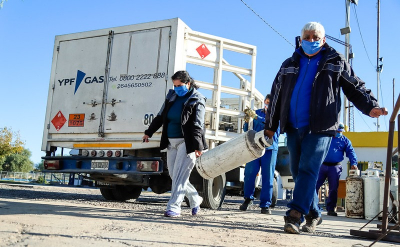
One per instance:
[(18, 162), (39, 166), (10, 143), (1, 3)]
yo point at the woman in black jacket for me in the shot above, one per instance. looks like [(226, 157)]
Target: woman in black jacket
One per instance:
[(182, 118)]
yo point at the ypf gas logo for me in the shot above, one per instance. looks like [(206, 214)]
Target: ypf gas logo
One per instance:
[(80, 76)]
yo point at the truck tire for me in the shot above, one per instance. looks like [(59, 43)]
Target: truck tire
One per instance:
[(107, 194), (213, 191), (126, 192), (160, 184), (274, 193)]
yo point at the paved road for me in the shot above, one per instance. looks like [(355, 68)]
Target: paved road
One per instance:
[(64, 216)]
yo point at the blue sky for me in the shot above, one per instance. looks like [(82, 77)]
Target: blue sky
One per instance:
[(28, 29)]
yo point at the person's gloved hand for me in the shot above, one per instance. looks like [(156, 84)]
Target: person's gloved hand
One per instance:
[(249, 112), (246, 118)]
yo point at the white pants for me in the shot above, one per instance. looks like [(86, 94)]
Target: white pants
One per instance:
[(180, 165)]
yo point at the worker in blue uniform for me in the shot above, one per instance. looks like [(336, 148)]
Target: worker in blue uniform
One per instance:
[(331, 168), (267, 164)]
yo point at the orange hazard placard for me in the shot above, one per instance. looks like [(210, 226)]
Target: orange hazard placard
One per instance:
[(76, 120)]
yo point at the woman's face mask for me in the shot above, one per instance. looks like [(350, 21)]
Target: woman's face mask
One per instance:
[(338, 134), (181, 90)]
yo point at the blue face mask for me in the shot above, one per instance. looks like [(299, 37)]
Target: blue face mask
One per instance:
[(310, 47), (338, 134), (181, 90)]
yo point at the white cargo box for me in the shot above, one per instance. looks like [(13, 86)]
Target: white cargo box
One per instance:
[(107, 85)]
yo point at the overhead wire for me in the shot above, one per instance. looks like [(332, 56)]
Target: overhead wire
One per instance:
[(369, 59), (364, 120), (267, 23), (384, 116), (362, 39), (327, 36)]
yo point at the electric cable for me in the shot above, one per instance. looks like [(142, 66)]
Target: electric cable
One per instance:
[(266, 23), (327, 36), (380, 86), (364, 120), (362, 39)]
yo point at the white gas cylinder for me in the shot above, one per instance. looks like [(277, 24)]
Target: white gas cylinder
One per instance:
[(233, 153), (394, 188), (382, 192), (371, 194)]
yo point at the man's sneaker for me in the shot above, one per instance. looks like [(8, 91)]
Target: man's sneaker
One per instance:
[(170, 213), (247, 202), (311, 223), (332, 213), (292, 222), (265, 211), (195, 210)]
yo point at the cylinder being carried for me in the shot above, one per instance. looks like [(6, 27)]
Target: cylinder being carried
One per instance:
[(233, 153)]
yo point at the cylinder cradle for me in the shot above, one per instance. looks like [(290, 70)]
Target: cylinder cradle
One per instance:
[(231, 154)]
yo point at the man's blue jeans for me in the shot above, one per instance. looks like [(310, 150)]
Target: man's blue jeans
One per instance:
[(267, 163), (307, 151)]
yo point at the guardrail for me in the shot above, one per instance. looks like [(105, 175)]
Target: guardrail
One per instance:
[(40, 177)]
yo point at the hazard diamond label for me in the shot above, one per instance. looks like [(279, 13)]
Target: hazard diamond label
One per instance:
[(59, 121), (203, 51)]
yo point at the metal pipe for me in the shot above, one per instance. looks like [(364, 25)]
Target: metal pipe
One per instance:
[(398, 159), (346, 55), (377, 62), (388, 171)]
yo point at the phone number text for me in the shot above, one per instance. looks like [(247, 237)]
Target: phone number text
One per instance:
[(133, 85)]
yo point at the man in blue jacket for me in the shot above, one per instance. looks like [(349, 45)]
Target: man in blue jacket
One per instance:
[(267, 164), (332, 167), (306, 104)]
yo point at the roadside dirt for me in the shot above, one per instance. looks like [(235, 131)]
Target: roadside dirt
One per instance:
[(64, 216)]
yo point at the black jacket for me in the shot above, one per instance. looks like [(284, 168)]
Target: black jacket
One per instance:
[(192, 120), (333, 74)]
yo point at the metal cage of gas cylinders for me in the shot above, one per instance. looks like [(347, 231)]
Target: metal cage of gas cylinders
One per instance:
[(386, 231)]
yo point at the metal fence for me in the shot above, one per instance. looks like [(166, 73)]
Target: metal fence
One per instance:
[(41, 177)]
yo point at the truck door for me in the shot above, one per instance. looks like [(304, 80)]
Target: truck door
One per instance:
[(138, 80), (78, 85), (110, 84)]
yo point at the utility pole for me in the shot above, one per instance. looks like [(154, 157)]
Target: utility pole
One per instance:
[(393, 93), (378, 68), (346, 31)]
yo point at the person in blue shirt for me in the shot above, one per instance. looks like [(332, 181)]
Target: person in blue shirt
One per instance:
[(331, 168), (305, 104), (267, 164)]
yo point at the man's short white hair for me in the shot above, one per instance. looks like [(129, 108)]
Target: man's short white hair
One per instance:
[(314, 26)]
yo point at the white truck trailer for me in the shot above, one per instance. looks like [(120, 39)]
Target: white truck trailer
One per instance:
[(107, 85)]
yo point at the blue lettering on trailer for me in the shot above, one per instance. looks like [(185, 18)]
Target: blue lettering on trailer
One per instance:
[(80, 76)]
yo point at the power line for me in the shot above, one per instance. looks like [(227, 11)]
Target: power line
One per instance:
[(364, 120), (266, 23), (384, 116), (362, 39)]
